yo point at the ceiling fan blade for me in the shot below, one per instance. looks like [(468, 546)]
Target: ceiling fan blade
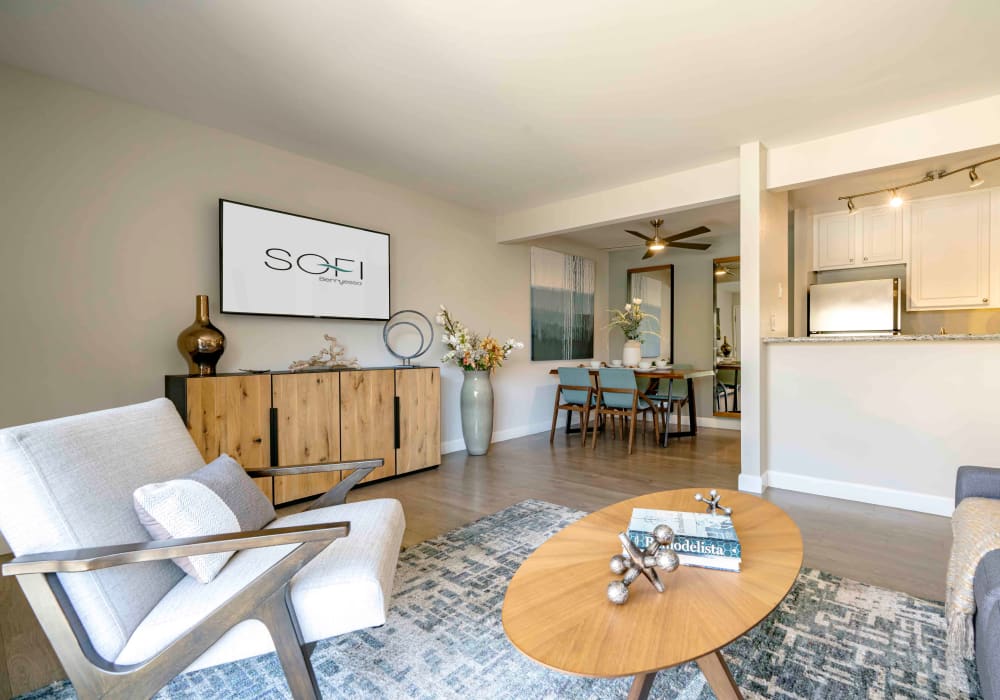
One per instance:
[(687, 234), (649, 254), (640, 235), (690, 246)]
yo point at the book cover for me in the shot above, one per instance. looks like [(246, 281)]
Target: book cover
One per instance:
[(697, 536)]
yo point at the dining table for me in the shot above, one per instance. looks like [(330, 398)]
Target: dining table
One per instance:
[(686, 375)]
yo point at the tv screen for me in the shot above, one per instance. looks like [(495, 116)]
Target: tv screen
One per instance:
[(279, 264)]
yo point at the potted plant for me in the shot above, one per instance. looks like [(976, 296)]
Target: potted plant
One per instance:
[(478, 356), (629, 321)]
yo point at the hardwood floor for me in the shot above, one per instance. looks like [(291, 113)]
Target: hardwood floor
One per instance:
[(886, 547)]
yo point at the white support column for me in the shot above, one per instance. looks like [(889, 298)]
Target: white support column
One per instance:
[(763, 304)]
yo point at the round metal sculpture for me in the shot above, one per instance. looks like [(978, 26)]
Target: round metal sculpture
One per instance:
[(633, 562), (713, 503), (418, 323)]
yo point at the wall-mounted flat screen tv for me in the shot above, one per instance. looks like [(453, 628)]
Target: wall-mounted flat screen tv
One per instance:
[(278, 264)]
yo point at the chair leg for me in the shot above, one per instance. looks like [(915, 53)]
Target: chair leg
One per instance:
[(679, 416), (277, 614), (555, 418), (593, 434), (583, 424), (631, 430)]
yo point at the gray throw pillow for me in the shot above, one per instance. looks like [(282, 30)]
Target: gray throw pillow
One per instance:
[(217, 499)]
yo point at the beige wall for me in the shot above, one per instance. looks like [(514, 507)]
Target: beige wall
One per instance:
[(110, 230)]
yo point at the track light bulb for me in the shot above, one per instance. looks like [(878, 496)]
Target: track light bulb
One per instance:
[(894, 199), (974, 179), (850, 205)]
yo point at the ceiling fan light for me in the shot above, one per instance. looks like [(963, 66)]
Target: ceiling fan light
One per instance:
[(974, 179), (657, 244)]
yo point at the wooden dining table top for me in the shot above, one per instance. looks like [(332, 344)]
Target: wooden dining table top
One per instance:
[(656, 373)]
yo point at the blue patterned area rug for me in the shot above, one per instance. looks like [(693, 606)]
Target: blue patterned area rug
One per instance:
[(831, 638)]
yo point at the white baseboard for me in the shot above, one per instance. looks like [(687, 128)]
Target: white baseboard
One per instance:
[(753, 483), (864, 493), (499, 436), (712, 422)]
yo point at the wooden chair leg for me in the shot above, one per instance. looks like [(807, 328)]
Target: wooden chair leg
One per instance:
[(631, 431), (585, 421), (593, 434), (679, 405), (555, 418)]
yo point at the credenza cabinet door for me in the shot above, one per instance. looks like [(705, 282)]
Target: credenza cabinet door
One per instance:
[(231, 415), (950, 252), (367, 419), (307, 418), (418, 394)]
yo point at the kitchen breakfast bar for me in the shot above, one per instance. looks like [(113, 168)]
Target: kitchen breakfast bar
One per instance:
[(880, 419)]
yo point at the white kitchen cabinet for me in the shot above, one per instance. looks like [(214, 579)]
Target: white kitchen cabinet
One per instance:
[(880, 230), (872, 236), (950, 263), (833, 241)]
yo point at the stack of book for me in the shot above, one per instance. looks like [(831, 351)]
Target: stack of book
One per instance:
[(700, 539)]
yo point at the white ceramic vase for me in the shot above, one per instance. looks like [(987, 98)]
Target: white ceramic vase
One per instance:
[(632, 353)]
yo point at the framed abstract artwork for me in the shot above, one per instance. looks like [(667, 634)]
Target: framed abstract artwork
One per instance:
[(562, 306)]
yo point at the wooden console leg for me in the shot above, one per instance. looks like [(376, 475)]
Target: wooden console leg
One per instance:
[(641, 685), (718, 676)]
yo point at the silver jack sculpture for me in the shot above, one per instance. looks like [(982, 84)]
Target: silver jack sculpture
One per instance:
[(633, 562), (713, 503)]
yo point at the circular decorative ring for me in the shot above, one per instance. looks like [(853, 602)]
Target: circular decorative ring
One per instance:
[(400, 319)]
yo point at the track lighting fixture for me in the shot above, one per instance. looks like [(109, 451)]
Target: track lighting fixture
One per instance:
[(896, 200)]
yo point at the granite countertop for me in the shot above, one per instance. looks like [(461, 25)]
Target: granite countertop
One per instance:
[(882, 338)]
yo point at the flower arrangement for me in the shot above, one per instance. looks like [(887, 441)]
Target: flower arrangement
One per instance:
[(630, 319), (470, 351)]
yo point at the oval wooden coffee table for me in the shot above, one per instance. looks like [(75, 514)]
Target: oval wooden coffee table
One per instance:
[(556, 611)]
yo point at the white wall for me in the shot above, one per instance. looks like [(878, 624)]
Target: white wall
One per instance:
[(110, 230), (693, 320), (880, 422)]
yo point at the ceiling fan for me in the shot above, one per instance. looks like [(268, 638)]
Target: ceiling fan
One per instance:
[(657, 243)]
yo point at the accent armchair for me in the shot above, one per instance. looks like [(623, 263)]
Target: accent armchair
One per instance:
[(122, 618)]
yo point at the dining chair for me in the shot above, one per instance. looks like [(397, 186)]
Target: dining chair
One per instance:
[(575, 394), (618, 396), (673, 397), (726, 378)]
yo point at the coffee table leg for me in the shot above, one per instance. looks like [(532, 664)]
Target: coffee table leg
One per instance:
[(718, 676), (641, 685)]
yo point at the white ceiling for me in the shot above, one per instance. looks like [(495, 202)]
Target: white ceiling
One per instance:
[(723, 219), (507, 104)]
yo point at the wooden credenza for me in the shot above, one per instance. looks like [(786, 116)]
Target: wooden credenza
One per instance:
[(284, 418)]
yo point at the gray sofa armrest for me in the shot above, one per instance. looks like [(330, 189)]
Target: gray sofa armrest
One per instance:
[(980, 482)]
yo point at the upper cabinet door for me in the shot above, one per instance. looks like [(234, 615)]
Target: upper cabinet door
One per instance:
[(418, 393), (949, 252), (881, 231), (307, 412), (833, 242), (367, 418)]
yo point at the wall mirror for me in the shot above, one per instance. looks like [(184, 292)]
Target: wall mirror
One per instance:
[(655, 286), (726, 305)]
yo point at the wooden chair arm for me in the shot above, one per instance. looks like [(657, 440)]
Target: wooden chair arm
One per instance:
[(94, 558)]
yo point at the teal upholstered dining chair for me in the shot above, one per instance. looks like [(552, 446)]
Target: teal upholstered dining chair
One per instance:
[(674, 395), (619, 396), (726, 383), (575, 394)]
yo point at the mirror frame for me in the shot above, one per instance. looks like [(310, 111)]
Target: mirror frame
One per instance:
[(629, 297), (715, 308)]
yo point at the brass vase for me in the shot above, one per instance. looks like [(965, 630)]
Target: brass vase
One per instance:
[(201, 343), (726, 348)]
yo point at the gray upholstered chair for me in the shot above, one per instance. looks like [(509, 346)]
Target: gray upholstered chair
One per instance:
[(122, 617)]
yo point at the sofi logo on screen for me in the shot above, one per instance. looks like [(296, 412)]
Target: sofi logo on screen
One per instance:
[(341, 271)]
